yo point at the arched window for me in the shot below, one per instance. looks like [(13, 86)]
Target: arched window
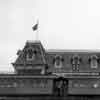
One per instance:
[(31, 53), (93, 60), (75, 61), (58, 61)]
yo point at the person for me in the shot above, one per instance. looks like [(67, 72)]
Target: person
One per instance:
[(58, 88), (65, 87)]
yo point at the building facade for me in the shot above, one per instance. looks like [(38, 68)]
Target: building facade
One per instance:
[(69, 74)]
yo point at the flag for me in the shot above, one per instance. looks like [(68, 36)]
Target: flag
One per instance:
[(35, 27)]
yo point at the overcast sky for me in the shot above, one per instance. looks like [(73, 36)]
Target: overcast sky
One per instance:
[(63, 24)]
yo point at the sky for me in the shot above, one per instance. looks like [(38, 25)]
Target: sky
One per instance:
[(63, 24)]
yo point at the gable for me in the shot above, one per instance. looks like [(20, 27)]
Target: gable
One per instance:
[(32, 54)]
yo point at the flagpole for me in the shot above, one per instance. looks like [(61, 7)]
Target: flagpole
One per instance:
[(37, 31)]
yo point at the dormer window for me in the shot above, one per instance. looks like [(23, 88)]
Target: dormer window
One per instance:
[(31, 53), (93, 60), (58, 61)]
